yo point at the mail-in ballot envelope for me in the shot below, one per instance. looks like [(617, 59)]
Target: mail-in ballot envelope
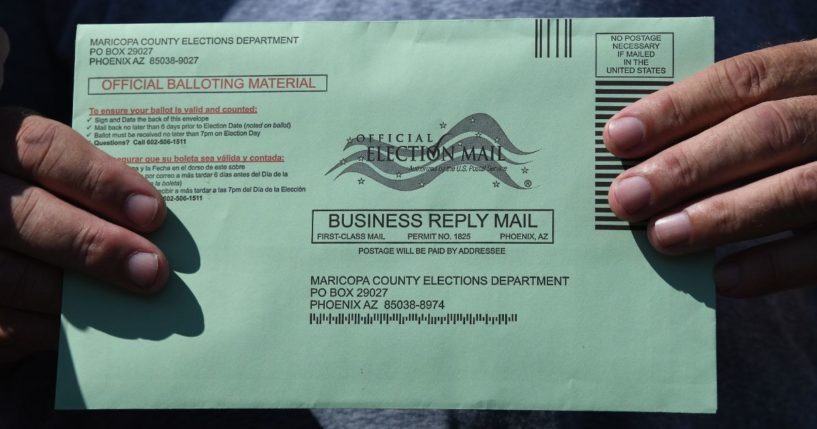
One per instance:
[(387, 214)]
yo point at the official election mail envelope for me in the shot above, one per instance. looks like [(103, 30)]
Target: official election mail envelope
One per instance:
[(388, 214)]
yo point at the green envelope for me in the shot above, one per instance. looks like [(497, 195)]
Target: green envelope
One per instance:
[(388, 214)]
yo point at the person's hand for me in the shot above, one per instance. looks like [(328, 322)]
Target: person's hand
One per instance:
[(65, 204), (731, 157)]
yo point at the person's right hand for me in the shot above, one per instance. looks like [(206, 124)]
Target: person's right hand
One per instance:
[(65, 204)]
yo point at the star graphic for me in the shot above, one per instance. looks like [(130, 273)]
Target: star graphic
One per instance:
[(460, 143), (399, 174), (472, 119), (348, 139), (361, 181), (497, 139), (422, 184), (496, 184), (479, 134), (443, 125), (524, 170), (343, 161), (360, 158)]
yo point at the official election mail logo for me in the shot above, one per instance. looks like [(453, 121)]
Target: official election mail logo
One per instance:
[(410, 161)]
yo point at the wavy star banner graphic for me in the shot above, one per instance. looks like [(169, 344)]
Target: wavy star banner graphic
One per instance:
[(477, 140)]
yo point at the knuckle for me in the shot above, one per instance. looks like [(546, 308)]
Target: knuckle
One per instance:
[(23, 211), (89, 245), (776, 125), (670, 107), (721, 216), (35, 141), (745, 75), (805, 190), (96, 181), (678, 167)]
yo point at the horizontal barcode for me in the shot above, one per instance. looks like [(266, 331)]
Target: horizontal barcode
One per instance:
[(413, 318), (612, 95)]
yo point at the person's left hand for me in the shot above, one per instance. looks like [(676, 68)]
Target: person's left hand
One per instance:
[(65, 204), (732, 153)]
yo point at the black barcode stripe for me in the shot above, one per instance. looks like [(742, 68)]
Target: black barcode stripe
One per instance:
[(548, 38), (625, 91), (535, 38), (622, 227), (616, 100), (557, 38), (607, 218), (617, 160), (609, 108), (567, 38), (632, 83)]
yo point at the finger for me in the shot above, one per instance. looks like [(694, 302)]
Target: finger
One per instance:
[(721, 90), (22, 333), (36, 223), (780, 202), (29, 285), (771, 267), (57, 158), (767, 136)]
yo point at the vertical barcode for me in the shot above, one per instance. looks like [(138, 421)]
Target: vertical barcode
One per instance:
[(612, 96), (553, 39)]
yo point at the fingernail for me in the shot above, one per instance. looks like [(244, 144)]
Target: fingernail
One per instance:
[(727, 277), (633, 194), (625, 133), (141, 209), (673, 230), (142, 269)]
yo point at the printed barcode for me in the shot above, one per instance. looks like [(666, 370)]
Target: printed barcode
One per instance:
[(412, 318), (553, 38), (610, 97)]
